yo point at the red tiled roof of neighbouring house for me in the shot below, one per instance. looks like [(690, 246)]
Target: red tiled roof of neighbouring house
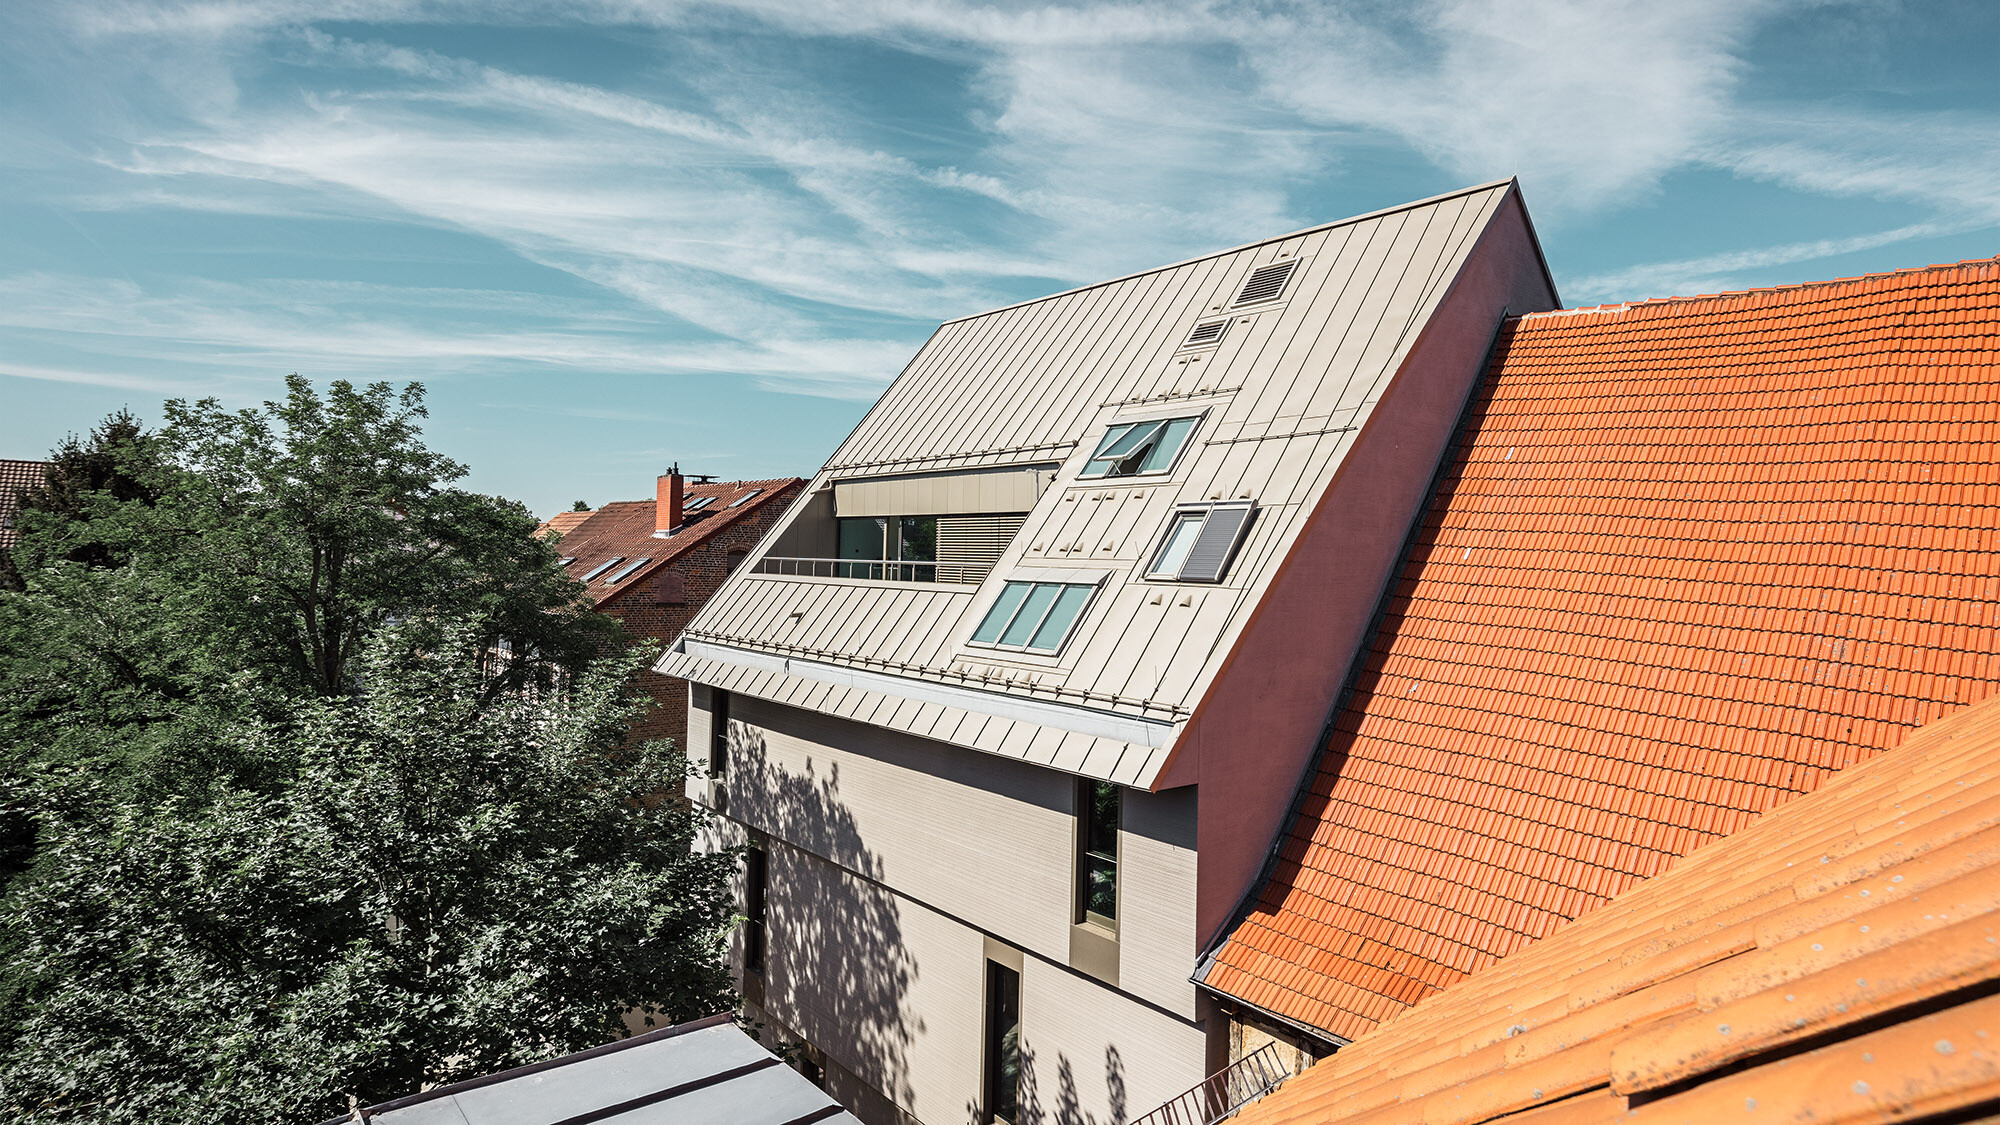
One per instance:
[(624, 530), (562, 523), (16, 477), (1687, 559), (1834, 961)]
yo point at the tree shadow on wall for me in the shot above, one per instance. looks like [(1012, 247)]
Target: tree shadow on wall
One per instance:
[(1066, 1106), (837, 971)]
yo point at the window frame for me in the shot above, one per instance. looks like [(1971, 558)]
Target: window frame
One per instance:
[(1086, 809), (615, 560), (1160, 418), (627, 572), (1206, 508), (1092, 580)]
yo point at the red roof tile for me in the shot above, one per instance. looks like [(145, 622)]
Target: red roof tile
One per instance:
[(16, 477), (1833, 962), (624, 529), (1687, 558)]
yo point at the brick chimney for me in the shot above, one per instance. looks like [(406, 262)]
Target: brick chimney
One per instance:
[(667, 508)]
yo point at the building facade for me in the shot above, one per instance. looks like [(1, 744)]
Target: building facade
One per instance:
[(1010, 704), (653, 564)]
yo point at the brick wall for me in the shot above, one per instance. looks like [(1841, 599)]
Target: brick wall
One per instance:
[(701, 572)]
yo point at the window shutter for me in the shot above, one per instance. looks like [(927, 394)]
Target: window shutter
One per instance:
[(969, 546), (1266, 282), (1209, 557)]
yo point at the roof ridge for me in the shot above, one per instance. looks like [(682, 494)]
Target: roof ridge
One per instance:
[(1729, 294)]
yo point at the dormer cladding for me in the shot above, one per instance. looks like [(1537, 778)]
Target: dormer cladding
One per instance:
[(1260, 418)]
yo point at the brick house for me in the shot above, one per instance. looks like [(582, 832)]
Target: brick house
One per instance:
[(653, 563)]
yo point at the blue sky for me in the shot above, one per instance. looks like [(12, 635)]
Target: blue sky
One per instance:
[(611, 234)]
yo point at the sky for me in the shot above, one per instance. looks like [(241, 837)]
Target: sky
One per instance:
[(611, 235)]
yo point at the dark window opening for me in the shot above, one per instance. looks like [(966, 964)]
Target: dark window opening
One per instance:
[(1003, 1043), (1097, 848), (718, 735), (898, 548), (755, 875)]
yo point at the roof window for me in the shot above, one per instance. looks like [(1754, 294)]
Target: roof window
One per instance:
[(602, 567), (1267, 283), (616, 578), (1034, 616), (565, 562), (1133, 448), (1200, 541), (745, 498), (1206, 334), (697, 504)]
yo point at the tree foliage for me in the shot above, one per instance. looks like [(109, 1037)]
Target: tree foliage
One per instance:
[(444, 887), (316, 780)]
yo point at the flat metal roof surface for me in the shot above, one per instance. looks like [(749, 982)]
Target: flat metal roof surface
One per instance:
[(690, 1074)]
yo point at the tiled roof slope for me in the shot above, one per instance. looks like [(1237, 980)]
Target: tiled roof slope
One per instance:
[(1838, 960), (1687, 559), (624, 529), (562, 523), (16, 477)]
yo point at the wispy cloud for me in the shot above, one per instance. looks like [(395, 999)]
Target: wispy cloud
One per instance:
[(1716, 273)]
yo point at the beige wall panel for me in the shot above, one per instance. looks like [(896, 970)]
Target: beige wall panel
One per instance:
[(888, 989), (1089, 1056), (1157, 944), (978, 836), (967, 492)]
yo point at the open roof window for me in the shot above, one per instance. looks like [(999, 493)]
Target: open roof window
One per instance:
[(1207, 334), (1200, 541), (621, 575), (1131, 448), (1032, 616), (604, 566), (1266, 283)]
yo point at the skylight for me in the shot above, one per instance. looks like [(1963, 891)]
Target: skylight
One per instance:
[(745, 498), (1200, 541), (614, 579), (1034, 616), (565, 562), (602, 567), (697, 503), (1132, 448)]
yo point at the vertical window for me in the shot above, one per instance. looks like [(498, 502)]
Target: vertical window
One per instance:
[(718, 735), (861, 543), (1003, 1043), (916, 548), (755, 876), (1097, 859)]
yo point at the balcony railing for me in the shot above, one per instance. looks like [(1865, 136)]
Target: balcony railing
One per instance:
[(871, 570), (1221, 1094)]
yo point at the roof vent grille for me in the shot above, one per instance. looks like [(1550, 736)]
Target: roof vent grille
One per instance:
[(1206, 334), (1266, 283)]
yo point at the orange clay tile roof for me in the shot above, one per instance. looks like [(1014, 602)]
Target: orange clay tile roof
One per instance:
[(1685, 560), (1837, 960), (562, 523), (624, 529), (16, 477)]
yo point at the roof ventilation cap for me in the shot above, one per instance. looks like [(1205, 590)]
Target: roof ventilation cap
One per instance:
[(1266, 283)]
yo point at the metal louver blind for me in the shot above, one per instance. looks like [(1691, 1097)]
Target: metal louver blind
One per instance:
[(1266, 282), (1209, 556), (968, 547), (1208, 333)]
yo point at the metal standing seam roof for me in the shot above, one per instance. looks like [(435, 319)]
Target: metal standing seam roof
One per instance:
[(16, 477), (1687, 560), (1282, 399), (1835, 961), (704, 1071)]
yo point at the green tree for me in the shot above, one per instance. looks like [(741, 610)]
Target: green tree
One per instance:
[(257, 551), (448, 884)]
